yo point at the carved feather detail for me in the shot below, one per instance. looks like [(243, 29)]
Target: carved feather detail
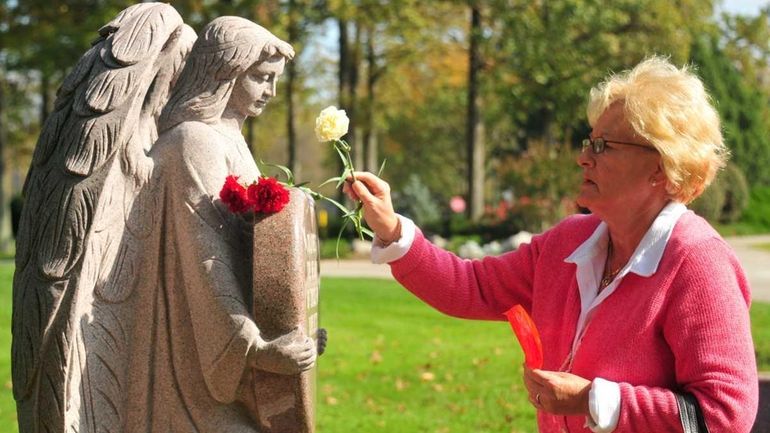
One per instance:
[(78, 74), (96, 141), (71, 283), (110, 87)]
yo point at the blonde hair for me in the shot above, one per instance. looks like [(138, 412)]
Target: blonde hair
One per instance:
[(670, 108)]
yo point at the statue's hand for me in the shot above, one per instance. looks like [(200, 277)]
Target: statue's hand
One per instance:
[(288, 354)]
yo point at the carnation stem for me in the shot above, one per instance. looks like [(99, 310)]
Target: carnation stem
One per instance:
[(343, 149)]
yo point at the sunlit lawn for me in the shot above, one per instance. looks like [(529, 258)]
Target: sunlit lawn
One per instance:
[(393, 364)]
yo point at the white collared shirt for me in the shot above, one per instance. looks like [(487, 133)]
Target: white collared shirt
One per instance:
[(590, 257)]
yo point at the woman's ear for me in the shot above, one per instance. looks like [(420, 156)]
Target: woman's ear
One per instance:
[(658, 176)]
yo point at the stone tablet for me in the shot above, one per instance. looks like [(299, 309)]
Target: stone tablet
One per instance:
[(286, 259)]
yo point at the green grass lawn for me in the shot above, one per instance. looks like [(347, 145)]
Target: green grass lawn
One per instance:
[(7, 405), (393, 364), (760, 329)]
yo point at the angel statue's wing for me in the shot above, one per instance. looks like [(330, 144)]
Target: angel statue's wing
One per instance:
[(73, 263)]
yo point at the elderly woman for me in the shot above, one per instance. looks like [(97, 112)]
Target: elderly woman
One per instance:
[(641, 306)]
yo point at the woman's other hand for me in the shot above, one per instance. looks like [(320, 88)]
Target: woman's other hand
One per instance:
[(374, 193), (557, 392)]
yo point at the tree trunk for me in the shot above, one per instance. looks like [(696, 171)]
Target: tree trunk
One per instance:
[(291, 76), (343, 65), (474, 129), (354, 133), (344, 83), (370, 134), (3, 129)]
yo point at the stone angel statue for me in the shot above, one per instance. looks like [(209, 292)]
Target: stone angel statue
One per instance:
[(129, 303)]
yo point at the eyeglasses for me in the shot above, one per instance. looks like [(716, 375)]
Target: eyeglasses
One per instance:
[(599, 144)]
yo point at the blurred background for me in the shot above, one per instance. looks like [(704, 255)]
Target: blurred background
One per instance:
[(480, 104), (478, 108)]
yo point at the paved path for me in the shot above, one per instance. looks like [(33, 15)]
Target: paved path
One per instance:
[(354, 268), (756, 262)]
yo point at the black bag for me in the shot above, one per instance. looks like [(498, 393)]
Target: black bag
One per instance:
[(690, 414)]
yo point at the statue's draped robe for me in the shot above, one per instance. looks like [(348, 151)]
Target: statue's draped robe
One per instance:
[(193, 330)]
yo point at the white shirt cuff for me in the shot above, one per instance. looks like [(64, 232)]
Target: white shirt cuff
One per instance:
[(604, 405), (397, 249)]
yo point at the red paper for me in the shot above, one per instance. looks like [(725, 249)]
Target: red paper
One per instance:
[(527, 334)]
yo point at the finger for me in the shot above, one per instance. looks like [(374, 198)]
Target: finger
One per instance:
[(306, 353), (363, 192), (348, 190), (541, 377), (373, 183), (532, 386), (308, 346), (307, 362), (311, 357)]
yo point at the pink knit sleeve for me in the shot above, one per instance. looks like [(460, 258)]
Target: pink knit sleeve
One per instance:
[(706, 325), (472, 289)]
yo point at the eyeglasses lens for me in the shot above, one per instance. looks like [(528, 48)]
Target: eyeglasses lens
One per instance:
[(596, 145)]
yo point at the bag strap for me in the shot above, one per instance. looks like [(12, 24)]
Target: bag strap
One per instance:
[(690, 414)]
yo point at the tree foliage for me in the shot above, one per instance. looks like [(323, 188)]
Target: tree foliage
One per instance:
[(403, 71), (742, 105), (546, 55)]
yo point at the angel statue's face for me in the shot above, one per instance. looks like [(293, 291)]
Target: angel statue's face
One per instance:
[(256, 87)]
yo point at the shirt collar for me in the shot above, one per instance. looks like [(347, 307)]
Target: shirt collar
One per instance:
[(646, 257)]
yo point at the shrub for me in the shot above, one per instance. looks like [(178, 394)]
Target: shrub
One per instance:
[(547, 176), (757, 212), (329, 248), (726, 199), (736, 191), (417, 203)]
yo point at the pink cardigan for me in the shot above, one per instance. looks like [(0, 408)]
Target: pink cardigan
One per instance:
[(683, 329)]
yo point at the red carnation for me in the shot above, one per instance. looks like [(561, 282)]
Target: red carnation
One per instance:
[(267, 195), (234, 195)]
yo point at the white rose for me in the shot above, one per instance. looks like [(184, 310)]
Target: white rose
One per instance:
[(331, 124)]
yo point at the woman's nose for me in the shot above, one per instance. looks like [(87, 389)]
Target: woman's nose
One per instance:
[(586, 158)]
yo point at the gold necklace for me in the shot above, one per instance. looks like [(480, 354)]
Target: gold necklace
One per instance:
[(608, 277)]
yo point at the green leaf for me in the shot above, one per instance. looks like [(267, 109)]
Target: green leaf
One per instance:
[(335, 203), (343, 158), (342, 178), (339, 238), (344, 144), (330, 180), (382, 167), (367, 232), (312, 193), (286, 171)]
